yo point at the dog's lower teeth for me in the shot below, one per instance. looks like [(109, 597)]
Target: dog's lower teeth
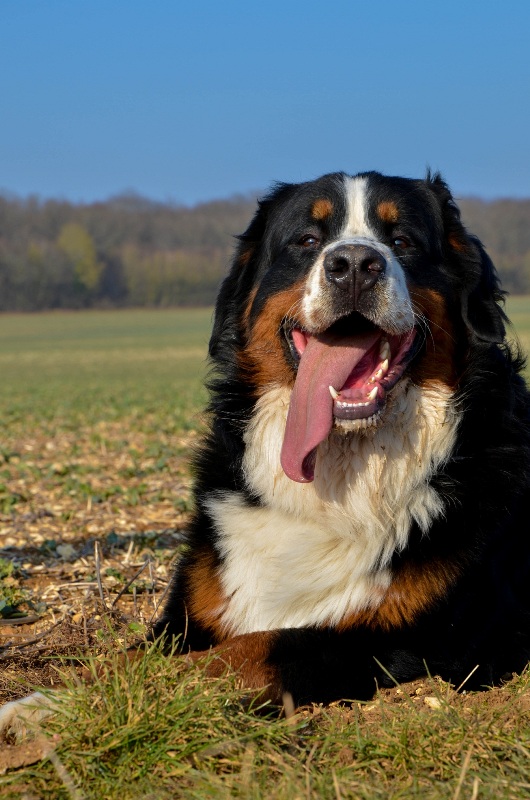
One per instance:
[(356, 425)]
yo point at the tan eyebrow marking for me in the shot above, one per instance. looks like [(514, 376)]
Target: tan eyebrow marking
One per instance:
[(388, 211), (321, 209)]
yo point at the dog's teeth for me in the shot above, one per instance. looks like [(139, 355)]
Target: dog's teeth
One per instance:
[(384, 350), (373, 394), (383, 368), (333, 392)]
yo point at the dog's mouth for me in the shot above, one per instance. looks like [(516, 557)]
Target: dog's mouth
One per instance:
[(344, 373)]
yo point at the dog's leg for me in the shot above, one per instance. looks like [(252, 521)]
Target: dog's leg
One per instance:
[(312, 665)]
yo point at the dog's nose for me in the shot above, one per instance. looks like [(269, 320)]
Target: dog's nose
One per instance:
[(354, 268)]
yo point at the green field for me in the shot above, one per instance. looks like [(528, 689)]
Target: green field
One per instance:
[(103, 364), (518, 310), (99, 413)]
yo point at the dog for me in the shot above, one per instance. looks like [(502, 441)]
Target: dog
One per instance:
[(361, 494)]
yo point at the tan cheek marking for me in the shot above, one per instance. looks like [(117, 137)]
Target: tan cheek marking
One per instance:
[(264, 358), (457, 244), (440, 360), (248, 656), (206, 600), (388, 211), (245, 255), (248, 307), (322, 209), (414, 589)]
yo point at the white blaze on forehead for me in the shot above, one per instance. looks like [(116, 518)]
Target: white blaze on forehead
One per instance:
[(355, 223)]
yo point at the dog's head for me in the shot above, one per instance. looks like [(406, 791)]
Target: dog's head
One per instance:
[(345, 288)]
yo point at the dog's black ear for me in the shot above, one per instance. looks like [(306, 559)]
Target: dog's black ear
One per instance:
[(237, 285), (481, 299), (223, 335), (481, 295)]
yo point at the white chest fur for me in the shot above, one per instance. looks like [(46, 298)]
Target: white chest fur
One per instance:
[(312, 553)]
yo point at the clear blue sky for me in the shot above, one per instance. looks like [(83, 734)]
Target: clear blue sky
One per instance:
[(194, 99)]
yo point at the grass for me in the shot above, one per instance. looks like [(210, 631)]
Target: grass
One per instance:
[(159, 729), (99, 412), (93, 366), (518, 309)]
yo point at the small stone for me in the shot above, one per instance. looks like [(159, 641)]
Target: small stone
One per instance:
[(66, 550), (432, 702)]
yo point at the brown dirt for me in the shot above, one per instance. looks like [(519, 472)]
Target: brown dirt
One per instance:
[(22, 755), (84, 512)]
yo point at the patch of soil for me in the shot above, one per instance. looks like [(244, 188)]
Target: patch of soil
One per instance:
[(90, 523), (23, 755)]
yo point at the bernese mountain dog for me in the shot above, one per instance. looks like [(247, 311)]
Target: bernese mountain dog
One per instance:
[(362, 493)]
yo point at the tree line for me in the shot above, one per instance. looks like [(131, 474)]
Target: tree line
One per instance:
[(130, 251)]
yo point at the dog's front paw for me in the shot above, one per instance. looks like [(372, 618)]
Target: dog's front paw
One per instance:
[(248, 655), (20, 717)]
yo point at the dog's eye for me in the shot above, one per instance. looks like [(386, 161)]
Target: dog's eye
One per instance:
[(309, 241), (401, 243)]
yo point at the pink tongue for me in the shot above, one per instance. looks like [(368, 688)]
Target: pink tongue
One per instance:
[(327, 360)]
